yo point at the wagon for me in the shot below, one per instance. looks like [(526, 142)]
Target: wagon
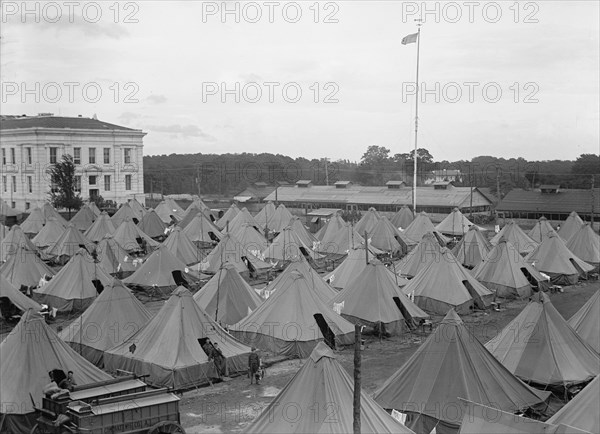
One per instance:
[(123, 405)]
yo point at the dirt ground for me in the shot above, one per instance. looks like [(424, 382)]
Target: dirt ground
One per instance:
[(230, 406)]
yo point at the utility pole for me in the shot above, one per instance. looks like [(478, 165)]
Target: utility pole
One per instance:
[(326, 173), (357, 362), (198, 179), (471, 186), (498, 183), (593, 198)]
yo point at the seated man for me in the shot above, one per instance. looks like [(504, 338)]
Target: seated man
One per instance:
[(51, 387), (68, 383)]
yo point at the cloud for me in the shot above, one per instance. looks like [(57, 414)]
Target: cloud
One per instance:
[(183, 130), (127, 117), (157, 99)]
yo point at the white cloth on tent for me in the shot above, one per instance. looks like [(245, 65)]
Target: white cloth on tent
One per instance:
[(400, 417), (337, 307)]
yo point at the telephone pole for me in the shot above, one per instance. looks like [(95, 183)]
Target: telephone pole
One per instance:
[(593, 198)]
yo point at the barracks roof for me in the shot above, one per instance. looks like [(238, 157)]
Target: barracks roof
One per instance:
[(563, 201)]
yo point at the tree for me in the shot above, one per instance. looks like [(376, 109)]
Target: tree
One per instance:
[(63, 194), (584, 167), (375, 155), (423, 156)]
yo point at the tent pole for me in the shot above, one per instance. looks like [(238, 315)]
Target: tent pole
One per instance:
[(357, 361)]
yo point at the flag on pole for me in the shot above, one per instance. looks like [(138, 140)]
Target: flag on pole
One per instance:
[(409, 39)]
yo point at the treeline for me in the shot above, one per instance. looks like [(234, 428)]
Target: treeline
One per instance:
[(229, 174)]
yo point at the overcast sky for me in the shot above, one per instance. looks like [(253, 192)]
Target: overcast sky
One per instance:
[(166, 73)]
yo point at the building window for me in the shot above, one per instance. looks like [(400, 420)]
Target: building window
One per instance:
[(30, 184), (53, 155), (127, 182), (92, 152), (3, 157), (14, 184), (106, 182), (13, 158), (13, 205), (92, 180), (27, 206), (127, 156), (78, 184), (4, 182), (29, 155), (106, 155), (77, 155)]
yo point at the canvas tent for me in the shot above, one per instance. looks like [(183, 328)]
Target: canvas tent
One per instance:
[(287, 246), (228, 217), (92, 205), (513, 233), (230, 249), (570, 226), (152, 225), (27, 354), (582, 411), (125, 212), (331, 227), (374, 298), (130, 237), (454, 224), (102, 226), (76, 285), (427, 251), (505, 271), (539, 347), (445, 284), (14, 239), (250, 237), (265, 214), (243, 218), (113, 317), (168, 348), (385, 237), (318, 285), (324, 384), (112, 257), (556, 260), (34, 222), (280, 219), (84, 218), (69, 242), (301, 317), (541, 230), (586, 322), (298, 227), (428, 388), (49, 234), (367, 221), (182, 247), (341, 240), (137, 208), (202, 231), (585, 244), (403, 218), (25, 268), (167, 208), (472, 248), (162, 270), (11, 296), (420, 226), (227, 297), (351, 267)]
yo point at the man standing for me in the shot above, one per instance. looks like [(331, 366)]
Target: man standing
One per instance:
[(253, 365)]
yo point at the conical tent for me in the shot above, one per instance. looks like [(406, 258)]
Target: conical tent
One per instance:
[(428, 250), (505, 271), (293, 320), (367, 221), (228, 217), (350, 268), (102, 226), (287, 246), (167, 208), (28, 353), (125, 212), (403, 218), (169, 350), (420, 226), (585, 244), (227, 298), (159, 271), (452, 364), (318, 285), (50, 211), (514, 234), (152, 225), (7, 211), (341, 240), (265, 214), (25, 268), (110, 320), (541, 230), (374, 298), (330, 229), (322, 383), (182, 247), (202, 230), (472, 248), (230, 249), (34, 222), (445, 284), (586, 322), (570, 226), (280, 219), (582, 411), (556, 260), (137, 208), (385, 237), (250, 237), (112, 257), (49, 234), (129, 236), (94, 208), (455, 224), (195, 207), (243, 219), (305, 236), (84, 218), (540, 347), (73, 287), (16, 297), (15, 239), (69, 242)]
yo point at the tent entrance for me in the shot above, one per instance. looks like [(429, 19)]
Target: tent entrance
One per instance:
[(98, 285), (582, 274), (530, 278), (477, 301), (178, 278), (248, 264), (325, 330), (410, 322), (213, 237)]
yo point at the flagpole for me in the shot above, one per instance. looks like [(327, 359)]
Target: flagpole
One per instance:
[(416, 125)]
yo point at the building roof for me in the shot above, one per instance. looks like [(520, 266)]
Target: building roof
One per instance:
[(259, 191), (75, 123), (564, 201), (382, 195)]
